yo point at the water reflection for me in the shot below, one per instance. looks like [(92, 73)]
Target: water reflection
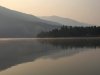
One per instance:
[(13, 52), (72, 43)]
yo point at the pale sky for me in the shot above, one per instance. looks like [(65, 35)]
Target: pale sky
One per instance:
[(82, 10)]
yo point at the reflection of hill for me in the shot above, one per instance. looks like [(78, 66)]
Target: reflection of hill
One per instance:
[(17, 52)]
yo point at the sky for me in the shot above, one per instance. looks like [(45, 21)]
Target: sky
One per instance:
[(87, 11)]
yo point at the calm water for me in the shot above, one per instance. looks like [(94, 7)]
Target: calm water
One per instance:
[(50, 56)]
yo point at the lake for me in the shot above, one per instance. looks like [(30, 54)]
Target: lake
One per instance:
[(79, 56)]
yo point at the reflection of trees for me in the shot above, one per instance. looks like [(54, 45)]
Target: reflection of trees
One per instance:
[(72, 43), (17, 52), (13, 52)]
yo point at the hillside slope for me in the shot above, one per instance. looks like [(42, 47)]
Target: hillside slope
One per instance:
[(17, 24)]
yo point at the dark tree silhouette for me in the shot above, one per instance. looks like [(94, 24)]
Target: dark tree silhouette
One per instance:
[(69, 31)]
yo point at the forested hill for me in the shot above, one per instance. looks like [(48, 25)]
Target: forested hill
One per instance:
[(69, 31)]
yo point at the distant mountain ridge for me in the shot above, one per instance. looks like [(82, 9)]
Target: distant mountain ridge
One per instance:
[(64, 21), (14, 24), (17, 24)]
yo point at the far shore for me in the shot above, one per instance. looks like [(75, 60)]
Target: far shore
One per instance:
[(50, 38)]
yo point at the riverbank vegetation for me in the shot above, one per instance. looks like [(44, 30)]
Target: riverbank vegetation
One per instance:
[(69, 31)]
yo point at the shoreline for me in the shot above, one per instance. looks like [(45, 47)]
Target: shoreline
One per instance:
[(50, 38)]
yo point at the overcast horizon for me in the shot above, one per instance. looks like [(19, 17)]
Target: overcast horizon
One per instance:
[(82, 10)]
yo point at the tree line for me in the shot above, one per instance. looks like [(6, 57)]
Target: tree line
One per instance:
[(69, 31)]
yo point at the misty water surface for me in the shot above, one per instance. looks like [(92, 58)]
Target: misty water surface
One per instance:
[(50, 56)]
